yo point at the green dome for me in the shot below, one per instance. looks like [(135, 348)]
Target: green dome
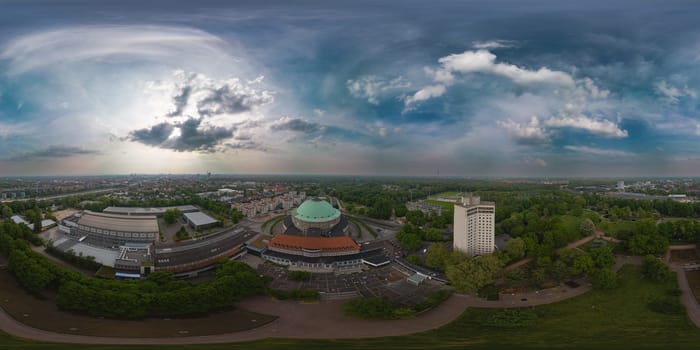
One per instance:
[(316, 210)]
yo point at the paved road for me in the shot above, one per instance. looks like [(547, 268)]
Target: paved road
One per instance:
[(323, 320), (691, 304), (688, 299)]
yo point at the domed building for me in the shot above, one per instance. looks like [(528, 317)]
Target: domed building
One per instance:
[(316, 218), (315, 238)]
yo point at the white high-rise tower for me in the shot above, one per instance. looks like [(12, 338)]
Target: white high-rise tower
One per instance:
[(474, 226)]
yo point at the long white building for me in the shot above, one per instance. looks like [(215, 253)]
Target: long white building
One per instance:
[(474, 226)]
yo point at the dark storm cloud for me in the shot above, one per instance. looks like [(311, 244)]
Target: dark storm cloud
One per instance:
[(231, 99), (154, 135), (56, 151), (180, 101), (192, 136)]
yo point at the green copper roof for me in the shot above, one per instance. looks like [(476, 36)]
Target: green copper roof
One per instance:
[(316, 210)]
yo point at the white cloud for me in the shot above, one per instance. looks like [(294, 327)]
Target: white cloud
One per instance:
[(200, 95), (425, 93), (372, 87), (493, 44), (598, 151), (483, 61), (601, 127), (529, 133), (673, 94), (49, 49)]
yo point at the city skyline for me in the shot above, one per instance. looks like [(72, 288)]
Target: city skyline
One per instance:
[(480, 88)]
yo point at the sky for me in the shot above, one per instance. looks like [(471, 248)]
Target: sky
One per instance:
[(426, 88)]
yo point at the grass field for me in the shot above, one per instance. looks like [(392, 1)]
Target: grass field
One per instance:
[(448, 194), (446, 206), (617, 319)]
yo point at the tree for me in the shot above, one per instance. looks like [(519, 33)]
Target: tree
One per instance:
[(515, 248), (381, 209), (400, 210), (431, 234), (171, 215), (582, 264), (437, 257), (236, 216), (413, 259), (6, 211), (602, 257), (587, 227), (655, 270), (644, 244), (37, 223), (604, 278), (559, 271), (468, 274), (416, 217), (409, 241)]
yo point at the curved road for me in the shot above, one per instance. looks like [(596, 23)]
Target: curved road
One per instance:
[(323, 320)]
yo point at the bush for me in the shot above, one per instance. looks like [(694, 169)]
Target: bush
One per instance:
[(655, 270), (667, 306), (299, 276), (432, 300), (295, 294), (675, 292), (604, 278), (510, 318), (382, 308), (413, 259), (370, 308), (490, 292)]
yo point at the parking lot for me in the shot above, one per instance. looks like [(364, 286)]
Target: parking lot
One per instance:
[(386, 281)]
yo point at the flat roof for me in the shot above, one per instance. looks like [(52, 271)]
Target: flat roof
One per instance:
[(148, 211), (291, 242), (115, 222), (103, 256), (198, 218), (19, 220)]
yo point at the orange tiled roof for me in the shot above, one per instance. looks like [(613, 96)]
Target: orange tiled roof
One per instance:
[(292, 242)]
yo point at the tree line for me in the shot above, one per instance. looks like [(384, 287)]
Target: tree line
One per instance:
[(159, 295)]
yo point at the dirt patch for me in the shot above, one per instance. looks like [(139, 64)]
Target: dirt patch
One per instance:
[(684, 256), (43, 314), (394, 276)]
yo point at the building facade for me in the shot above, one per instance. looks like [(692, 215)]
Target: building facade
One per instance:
[(474, 226)]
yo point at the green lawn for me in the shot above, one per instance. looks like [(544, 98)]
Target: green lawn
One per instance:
[(446, 206), (448, 194), (617, 319)]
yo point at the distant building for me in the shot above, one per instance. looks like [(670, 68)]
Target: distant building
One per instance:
[(620, 185), (474, 226)]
